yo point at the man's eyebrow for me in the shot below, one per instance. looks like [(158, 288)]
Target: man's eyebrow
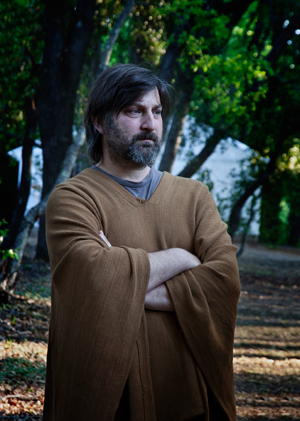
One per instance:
[(140, 104)]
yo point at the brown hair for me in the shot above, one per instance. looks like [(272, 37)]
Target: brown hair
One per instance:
[(116, 88)]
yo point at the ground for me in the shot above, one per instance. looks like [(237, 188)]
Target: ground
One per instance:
[(266, 353)]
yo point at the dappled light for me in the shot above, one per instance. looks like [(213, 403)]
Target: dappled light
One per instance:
[(267, 346), (266, 350), (233, 73)]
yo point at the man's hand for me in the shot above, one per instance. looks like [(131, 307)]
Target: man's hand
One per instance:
[(104, 238)]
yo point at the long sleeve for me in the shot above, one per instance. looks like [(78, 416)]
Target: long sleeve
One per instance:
[(205, 300), (98, 298)]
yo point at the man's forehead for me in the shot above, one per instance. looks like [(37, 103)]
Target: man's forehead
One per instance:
[(150, 98)]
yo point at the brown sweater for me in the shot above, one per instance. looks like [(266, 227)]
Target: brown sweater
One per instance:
[(101, 337)]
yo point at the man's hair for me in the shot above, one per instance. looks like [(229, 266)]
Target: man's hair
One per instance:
[(117, 88)]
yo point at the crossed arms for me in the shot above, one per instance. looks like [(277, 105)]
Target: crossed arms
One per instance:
[(164, 265)]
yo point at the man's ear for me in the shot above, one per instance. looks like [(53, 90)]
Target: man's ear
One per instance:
[(98, 126)]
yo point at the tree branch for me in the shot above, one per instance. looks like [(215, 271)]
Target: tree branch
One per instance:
[(181, 110), (113, 36), (205, 153)]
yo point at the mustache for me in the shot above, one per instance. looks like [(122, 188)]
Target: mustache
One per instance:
[(146, 136)]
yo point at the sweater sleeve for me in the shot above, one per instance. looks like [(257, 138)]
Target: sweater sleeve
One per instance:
[(205, 300), (98, 298)]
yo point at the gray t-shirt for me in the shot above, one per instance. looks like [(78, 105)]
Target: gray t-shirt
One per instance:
[(142, 189)]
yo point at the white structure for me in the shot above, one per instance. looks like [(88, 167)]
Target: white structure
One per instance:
[(36, 173)]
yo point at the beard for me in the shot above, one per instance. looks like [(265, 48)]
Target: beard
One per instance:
[(124, 150)]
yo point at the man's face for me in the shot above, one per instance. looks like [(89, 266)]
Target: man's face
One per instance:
[(135, 135)]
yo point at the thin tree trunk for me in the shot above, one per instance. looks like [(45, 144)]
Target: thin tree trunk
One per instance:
[(247, 227), (174, 136), (113, 36), (173, 140), (205, 153), (294, 224), (9, 275)]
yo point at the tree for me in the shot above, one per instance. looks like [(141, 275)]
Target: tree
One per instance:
[(21, 46), (68, 29), (274, 128), (197, 35), (224, 58), (72, 46)]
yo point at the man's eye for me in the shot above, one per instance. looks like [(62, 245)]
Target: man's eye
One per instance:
[(157, 112), (134, 111)]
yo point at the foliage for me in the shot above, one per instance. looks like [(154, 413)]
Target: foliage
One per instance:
[(20, 54), (238, 90), (224, 70), (281, 198), (204, 177), (5, 254)]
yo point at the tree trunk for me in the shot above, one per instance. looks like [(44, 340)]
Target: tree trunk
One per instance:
[(247, 227), (205, 153), (169, 61), (294, 225), (235, 215), (98, 65), (174, 136), (64, 54), (24, 188), (10, 269), (113, 36), (271, 228)]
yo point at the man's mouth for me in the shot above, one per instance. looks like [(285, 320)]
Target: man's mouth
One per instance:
[(148, 137), (146, 140), (146, 143)]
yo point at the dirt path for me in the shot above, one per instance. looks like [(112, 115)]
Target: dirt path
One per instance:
[(266, 354), (267, 341)]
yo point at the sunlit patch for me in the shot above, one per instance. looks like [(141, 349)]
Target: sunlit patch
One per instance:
[(267, 345), (22, 377)]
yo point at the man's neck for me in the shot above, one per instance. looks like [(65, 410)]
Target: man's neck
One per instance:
[(127, 173)]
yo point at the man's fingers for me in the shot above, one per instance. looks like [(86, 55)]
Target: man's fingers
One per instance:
[(104, 238)]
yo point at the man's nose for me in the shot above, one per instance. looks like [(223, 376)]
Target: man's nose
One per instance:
[(148, 122)]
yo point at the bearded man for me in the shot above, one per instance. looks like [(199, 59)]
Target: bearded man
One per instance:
[(144, 276)]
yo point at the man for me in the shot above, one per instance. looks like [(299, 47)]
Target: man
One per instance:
[(145, 280)]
